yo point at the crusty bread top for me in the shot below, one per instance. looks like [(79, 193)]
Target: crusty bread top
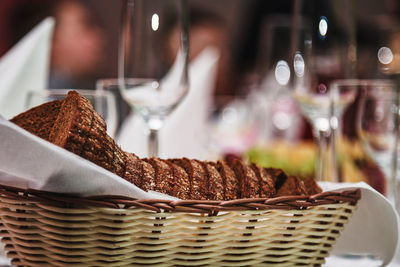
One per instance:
[(39, 120), (74, 120)]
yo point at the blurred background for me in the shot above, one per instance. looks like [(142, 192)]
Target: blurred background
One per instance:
[(86, 38), (85, 49)]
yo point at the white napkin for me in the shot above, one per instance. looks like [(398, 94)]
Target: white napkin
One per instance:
[(25, 67), (373, 229), (27, 161), (184, 132)]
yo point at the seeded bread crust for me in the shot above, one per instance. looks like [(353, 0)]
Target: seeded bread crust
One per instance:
[(73, 123), (81, 130), (134, 169), (291, 187), (248, 182), (181, 179), (215, 182), (311, 186), (164, 177), (278, 176), (265, 182), (39, 120), (148, 176), (197, 177), (229, 181)]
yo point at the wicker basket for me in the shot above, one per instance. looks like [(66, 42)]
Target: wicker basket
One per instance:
[(46, 229)]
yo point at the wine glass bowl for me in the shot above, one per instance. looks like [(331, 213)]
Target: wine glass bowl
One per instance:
[(153, 62), (377, 126), (152, 101), (315, 106)]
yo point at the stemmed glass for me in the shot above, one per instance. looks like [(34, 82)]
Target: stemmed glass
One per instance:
[(323, 49), (377, 125), (153, 56)]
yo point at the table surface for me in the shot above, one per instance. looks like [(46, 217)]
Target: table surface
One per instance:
[(331, 261)]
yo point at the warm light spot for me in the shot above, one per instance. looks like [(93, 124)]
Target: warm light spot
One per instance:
[(385, 55), (282, 72), (322, 124), (298, 65), (323, 26), (282, 120), (229, 115), (155, 22), (155, 85)]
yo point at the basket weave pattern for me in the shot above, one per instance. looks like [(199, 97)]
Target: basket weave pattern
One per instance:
[(42, 229)]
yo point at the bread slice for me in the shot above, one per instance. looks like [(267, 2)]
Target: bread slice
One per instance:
[(266, 184), (163, 176), (291, 187), (73, 123), (248, 182), (214, 181), (181, 180), (197, 178), (278, 176), (39, 120), (148, 176), (119, 159), (81, 130), (311, 186), (133, 170), (229, 180)]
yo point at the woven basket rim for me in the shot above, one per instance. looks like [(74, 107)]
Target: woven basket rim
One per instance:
[(193, 206)]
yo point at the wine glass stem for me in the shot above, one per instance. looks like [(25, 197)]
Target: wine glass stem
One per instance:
[(153, 143), (323, 156)]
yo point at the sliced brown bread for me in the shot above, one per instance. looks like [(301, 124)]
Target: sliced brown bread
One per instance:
[(248, 181), (133, 170), (163, 176), (98, 146), (197, 177), (119, 159), (266, 184), (215, 181), (181, 180), (278, 176), (73, 123), (291, 187), (148, 176), (311, 186), (40, 119), (81, 130), (229, 180)]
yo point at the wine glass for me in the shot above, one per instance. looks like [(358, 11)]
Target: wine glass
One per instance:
[(323, 49), (103, 102), (154, 57), (377, 125), (123, 108)]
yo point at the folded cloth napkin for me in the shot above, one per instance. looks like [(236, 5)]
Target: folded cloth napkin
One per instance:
[(184, 133), (374, 227), (25, 68)]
